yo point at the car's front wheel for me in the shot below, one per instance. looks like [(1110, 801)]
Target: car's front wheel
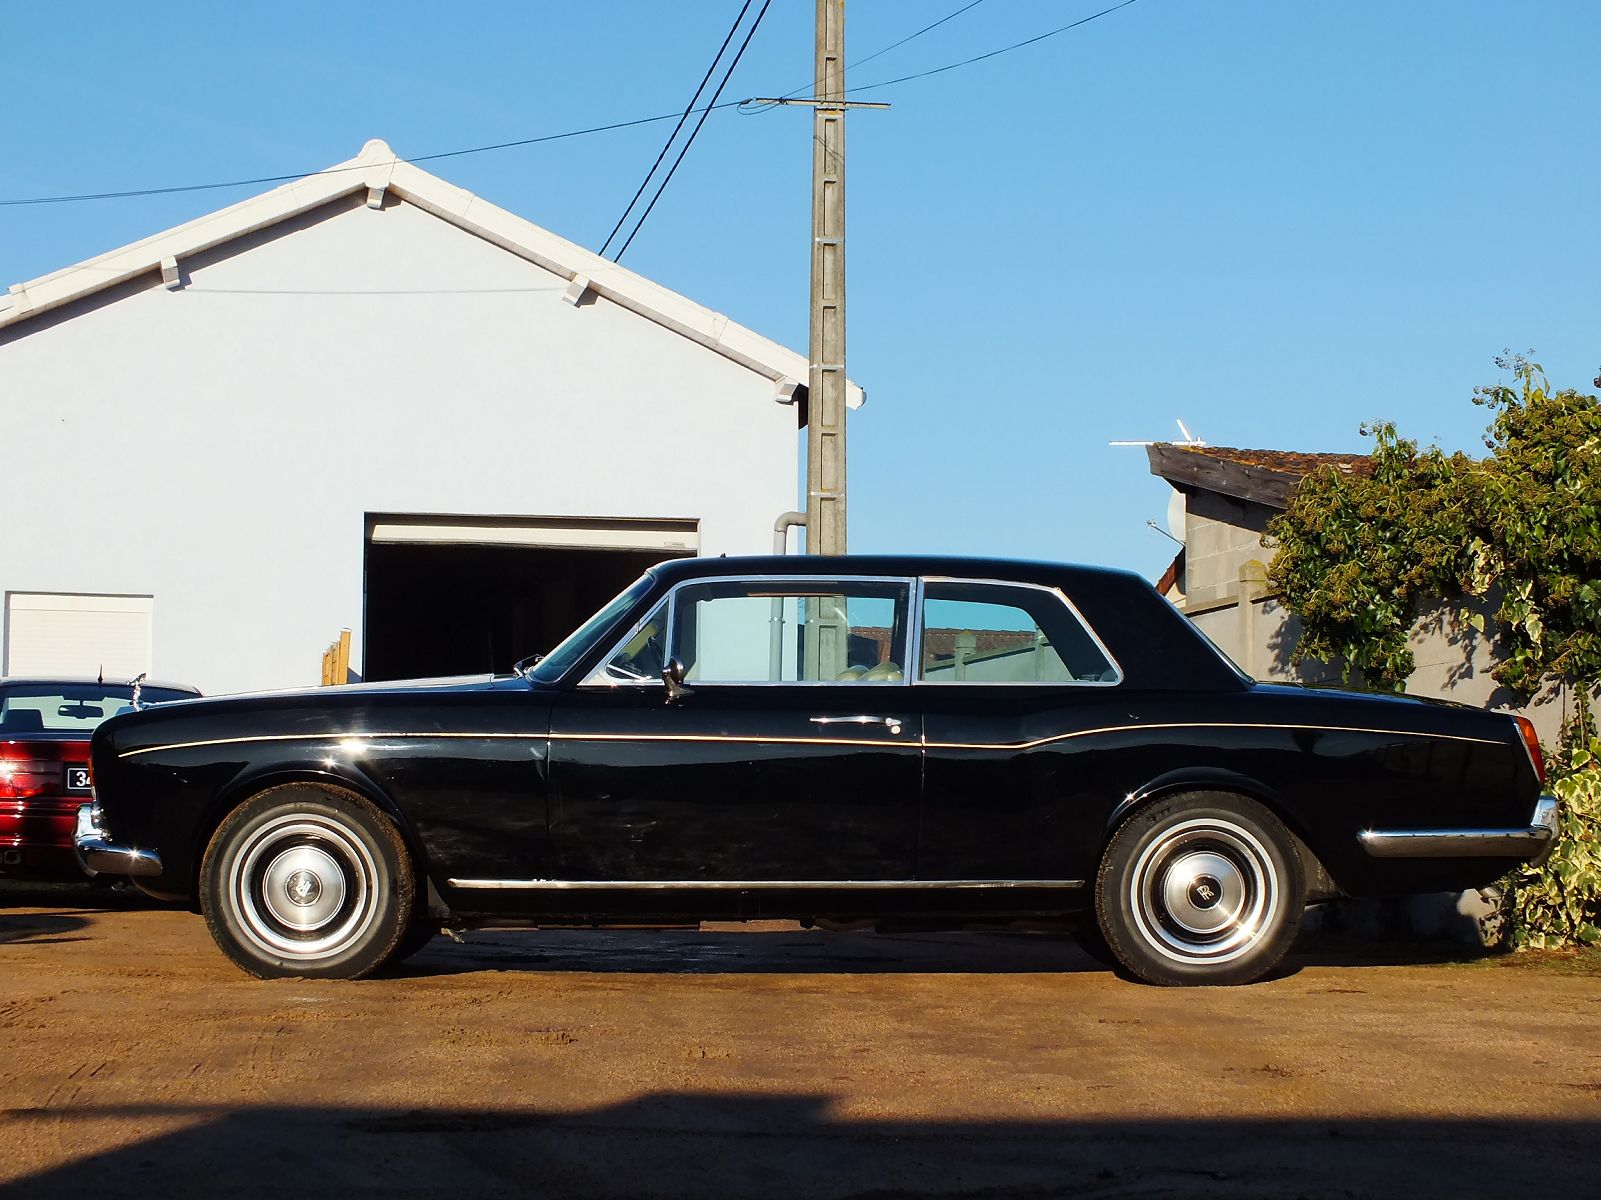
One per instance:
[(1200, 888), (304, 880)]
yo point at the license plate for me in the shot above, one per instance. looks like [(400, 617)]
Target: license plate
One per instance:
[(77, 779)]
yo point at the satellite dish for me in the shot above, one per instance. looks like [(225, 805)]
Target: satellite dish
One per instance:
[(1175, 514)]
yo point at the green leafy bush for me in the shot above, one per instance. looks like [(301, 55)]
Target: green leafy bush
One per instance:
[(1361, 556), (1559, 903)]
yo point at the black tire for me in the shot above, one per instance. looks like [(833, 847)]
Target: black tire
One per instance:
[(1200, 888), (305, 880)]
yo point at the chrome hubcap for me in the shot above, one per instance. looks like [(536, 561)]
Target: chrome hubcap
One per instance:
[(304, 887), (1203, 891)]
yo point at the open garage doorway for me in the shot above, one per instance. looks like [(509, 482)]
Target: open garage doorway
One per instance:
[(467, 595)]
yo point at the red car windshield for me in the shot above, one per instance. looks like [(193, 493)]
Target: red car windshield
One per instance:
[(70, 709)]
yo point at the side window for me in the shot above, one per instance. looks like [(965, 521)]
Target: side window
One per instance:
[(791, 631), (640, 659), (991, 633)]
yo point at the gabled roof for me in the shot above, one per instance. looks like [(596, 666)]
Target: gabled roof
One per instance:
[(377, 171), (1261, 476)]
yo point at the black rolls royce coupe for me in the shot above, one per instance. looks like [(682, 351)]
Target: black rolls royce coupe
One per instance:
[(891, 738)]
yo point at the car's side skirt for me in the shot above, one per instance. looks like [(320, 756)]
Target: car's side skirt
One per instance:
[(755, 885)]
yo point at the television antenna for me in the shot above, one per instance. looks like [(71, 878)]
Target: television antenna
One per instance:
[(1188, 439)]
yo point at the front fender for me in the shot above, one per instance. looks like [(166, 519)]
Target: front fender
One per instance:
[(348, 776)]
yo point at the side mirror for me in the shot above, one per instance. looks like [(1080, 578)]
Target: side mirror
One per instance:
[(673, 677)]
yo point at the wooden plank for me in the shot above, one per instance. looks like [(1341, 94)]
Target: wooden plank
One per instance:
[(1260, 485)]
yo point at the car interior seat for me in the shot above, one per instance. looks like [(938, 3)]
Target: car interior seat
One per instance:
[(22, 720)]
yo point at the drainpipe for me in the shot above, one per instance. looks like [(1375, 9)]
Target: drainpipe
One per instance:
[(775, 623), (781, 529)]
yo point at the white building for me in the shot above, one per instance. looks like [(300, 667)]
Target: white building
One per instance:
[(366, 399)]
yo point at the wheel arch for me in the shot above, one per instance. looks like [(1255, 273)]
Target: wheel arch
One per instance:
[(1320, 885), (250, 784)]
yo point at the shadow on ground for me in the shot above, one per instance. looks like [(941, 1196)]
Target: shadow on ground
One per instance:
[(95, 897), (675, 1144), (730, 951), (17, 928)]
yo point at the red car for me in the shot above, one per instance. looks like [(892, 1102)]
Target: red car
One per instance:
[(45, 726)]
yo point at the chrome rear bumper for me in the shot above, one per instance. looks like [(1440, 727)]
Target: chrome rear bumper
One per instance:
[(99, 855), (1532, 843)]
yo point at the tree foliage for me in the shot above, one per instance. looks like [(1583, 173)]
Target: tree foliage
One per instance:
[(1360, 556), (1559, 902)]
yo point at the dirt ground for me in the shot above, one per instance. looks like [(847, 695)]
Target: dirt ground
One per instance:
[(772, 1061)]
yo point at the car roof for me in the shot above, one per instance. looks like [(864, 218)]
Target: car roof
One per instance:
[(90, 681), (1151, 641), (960, 566)]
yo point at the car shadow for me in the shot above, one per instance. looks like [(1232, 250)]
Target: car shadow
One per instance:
[(84, 895), (733, 951), (18, 928), (709, 1146)]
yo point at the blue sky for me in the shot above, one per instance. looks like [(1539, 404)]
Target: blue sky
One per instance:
[(1274, 220)]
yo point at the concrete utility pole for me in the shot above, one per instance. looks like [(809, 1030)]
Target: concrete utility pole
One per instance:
[(825, 440)]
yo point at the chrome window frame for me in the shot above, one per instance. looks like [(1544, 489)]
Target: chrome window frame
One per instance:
[(597, 679), (916, 629)]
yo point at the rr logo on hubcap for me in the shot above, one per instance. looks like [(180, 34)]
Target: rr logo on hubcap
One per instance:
[(303, 888), (1205, 892)]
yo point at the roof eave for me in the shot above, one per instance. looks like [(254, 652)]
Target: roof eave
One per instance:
[(1184, 468), (377, 170)]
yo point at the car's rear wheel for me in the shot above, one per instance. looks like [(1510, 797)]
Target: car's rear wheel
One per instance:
[(1200, 888), (305, 880)]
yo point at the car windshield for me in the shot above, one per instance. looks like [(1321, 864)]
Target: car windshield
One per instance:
[(75, 708), (560, 660)]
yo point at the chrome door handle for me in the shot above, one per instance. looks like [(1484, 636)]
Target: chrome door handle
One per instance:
[(892, 723)]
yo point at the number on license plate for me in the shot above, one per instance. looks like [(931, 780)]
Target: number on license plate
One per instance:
[(77, 779)]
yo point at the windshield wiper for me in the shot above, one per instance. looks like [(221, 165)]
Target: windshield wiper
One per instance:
[(523, 665)]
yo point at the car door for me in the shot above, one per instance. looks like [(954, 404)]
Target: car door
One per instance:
[(1006, 675), (792, 754)]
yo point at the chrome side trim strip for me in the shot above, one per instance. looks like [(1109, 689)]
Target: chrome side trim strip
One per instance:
[(1534, 842), (757, 739), (752, 885), (1078, 733), (343, 736)]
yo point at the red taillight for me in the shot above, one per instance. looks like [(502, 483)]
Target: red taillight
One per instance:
[(21, 778), (1531, 742)]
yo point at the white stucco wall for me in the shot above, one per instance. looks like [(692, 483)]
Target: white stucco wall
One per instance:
[(218, 446)]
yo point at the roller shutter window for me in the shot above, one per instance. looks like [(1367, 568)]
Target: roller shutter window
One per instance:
[(51, 635)]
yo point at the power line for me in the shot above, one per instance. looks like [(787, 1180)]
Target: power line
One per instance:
[(668, 144), (556, 137), (812, 87), (419, 158), (977, 58), (727, 75)]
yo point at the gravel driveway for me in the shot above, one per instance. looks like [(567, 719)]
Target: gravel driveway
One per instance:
[(768, 1061)]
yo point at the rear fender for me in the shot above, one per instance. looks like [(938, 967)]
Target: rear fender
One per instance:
[(1215, 779)]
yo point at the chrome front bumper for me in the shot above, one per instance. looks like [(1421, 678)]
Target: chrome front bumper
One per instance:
[(99, 855), (1532, 843)]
